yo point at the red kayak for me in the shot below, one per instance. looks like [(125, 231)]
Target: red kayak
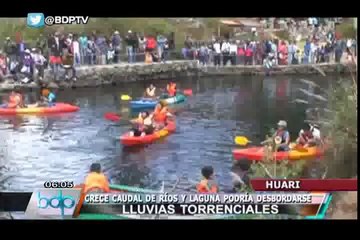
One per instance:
[(127, 140), (257, 154), (57, 108)]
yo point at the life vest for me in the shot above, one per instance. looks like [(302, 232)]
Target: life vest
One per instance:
[(96, 181), (307, 135), (281, 133), (151, 43), (172, 89), (160, 114), (205, 187), (150, 92)]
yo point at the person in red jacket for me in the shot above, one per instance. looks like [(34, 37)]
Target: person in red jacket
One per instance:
[(248, 55), (207, 185)]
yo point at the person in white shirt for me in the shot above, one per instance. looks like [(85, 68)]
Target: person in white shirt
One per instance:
[(39, 61), (225, 50), (76, 50), (309, 136), (233, 52), (217, 50)]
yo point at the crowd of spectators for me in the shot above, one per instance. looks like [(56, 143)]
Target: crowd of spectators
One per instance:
[(60, 51), (319, 47)]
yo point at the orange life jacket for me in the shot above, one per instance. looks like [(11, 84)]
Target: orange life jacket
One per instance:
[(96, 181), (14, 99), (159, 114), (171, 89), (205, 187)]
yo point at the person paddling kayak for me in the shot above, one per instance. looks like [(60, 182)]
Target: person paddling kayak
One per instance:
[(161, 112), (144, 125), (171, 89), (283, 136), (207, 185), (15, 99), (96, 180), (309, 136), (150, 91)]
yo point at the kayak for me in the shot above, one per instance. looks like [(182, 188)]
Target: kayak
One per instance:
[(257, 154), (57, 108), (151, 103), (127, 140)]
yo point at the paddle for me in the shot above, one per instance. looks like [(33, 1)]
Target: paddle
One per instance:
[(241, 140), (112, 116), (125, 97)]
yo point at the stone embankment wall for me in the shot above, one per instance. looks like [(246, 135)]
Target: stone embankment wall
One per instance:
[(99, 75)]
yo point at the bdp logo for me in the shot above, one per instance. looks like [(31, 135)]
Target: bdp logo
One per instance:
[(35, 20), (57, 202)]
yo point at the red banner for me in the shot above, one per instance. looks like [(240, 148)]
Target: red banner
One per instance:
[(312, 185)]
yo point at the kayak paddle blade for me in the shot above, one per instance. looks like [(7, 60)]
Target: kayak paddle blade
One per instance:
[(188, 92), (241, 140), (125, 97), (112, 117)]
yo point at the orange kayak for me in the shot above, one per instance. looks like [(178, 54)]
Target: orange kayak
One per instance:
[(127, 140), (57, 108), (257, 154)]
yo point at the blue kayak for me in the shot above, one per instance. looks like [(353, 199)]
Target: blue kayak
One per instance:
[(143, 103)]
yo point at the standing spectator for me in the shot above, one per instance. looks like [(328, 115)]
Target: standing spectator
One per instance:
[(307, 50), (225, 50), (165, 54), (248, 54), (259, 53), (241, 54), (28, 67), (292, 48), (171, 40), (117, 45), (3, 65), (110, 54), (142, 43), (160, 44), (283, 53), (55, 54), (338, 51), (41, 45), (101, 47), (186, 51), (233, 52), (83, 42), (297, 57), (76, 50), (313, 49), (203, 54), (39, 61), (68, 61), (217, 53), (91, 50), (327, 52), (10, 51), (130, 41)]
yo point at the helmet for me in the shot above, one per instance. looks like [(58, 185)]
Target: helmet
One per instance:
[(282, 123)]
